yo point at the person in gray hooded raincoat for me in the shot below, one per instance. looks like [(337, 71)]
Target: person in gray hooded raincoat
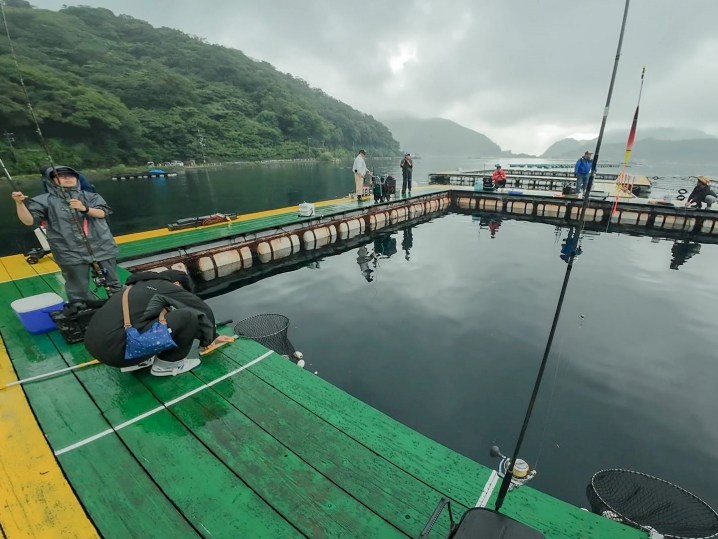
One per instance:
[(63, 198)]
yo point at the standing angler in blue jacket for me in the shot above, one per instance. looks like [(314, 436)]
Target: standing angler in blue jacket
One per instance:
[(582, 170)]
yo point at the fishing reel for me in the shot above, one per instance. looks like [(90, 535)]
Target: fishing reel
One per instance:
[(522, 471), (99, 276)]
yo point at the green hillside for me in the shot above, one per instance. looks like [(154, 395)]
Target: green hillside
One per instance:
[(112, 89)]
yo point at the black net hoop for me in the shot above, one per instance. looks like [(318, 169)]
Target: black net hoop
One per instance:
[(643, 501), (269, 330)]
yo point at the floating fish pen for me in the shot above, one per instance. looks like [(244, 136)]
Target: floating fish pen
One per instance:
[(243, 252), (233, 253), (139, 175), (559, 165), (641, 215), (551, 180)]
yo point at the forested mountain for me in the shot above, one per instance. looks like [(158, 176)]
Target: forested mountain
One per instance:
[(112, 89)]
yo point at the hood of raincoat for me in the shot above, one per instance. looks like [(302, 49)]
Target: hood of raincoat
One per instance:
[(66, 227), (52, 187)]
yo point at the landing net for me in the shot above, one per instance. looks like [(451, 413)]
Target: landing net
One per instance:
[(269, 330), (642, 501)]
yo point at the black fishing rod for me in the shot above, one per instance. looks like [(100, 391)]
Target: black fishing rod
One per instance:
[(506, 483), (99, 274)]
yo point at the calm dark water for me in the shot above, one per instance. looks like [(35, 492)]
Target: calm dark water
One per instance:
[(448, 336)]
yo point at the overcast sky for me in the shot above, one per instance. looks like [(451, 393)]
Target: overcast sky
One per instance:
[(524, 72)]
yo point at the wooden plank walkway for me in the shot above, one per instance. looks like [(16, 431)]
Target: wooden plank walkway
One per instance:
[(247, 445)]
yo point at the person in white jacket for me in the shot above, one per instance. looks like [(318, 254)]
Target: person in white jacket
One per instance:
[(360, 171)]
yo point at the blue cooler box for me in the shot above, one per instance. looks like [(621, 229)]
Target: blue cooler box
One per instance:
[(34, 312)]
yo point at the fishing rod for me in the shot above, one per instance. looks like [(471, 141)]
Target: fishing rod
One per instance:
[(50, 374), (13, 184), (508, 476), (99, 274), (622, 183)]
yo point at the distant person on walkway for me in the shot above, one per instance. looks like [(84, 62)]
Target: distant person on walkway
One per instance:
[(582, 171), (149, 294), (360, 171), (407, 167), (702, 193), (63, 200), (499, 177)]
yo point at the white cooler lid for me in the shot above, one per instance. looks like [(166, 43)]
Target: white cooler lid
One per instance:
[(35, 303)]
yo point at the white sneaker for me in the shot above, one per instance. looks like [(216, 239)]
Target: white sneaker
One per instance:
[(167, 368), (146, 363)]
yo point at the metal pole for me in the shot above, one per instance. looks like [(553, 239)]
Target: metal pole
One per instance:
[(10, 139), (201, 145), (510, 472)]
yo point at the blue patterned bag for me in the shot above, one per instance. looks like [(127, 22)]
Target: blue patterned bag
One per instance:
[(153, 341)]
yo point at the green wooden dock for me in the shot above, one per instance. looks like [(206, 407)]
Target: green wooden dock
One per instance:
[(246, 446)]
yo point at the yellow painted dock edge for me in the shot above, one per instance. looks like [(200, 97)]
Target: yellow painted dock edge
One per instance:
[(36, 501)]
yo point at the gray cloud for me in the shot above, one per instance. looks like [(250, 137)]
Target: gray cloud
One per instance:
[(524, 72)]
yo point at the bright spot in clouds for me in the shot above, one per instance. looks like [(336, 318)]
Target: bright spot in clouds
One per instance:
[(406, 53)]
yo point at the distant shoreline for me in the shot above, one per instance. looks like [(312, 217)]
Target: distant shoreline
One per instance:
[(119, 169)]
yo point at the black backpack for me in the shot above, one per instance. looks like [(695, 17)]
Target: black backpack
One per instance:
[(73, 319)]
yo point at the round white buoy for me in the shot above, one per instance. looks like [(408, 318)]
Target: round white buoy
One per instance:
[(300, 363), (316, 372), (298, 354)]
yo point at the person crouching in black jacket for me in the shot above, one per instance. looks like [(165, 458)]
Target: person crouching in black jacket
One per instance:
[(702, 193), (188, 318)]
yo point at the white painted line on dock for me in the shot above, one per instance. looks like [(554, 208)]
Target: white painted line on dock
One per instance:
[(164, 406), (488, 489)]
